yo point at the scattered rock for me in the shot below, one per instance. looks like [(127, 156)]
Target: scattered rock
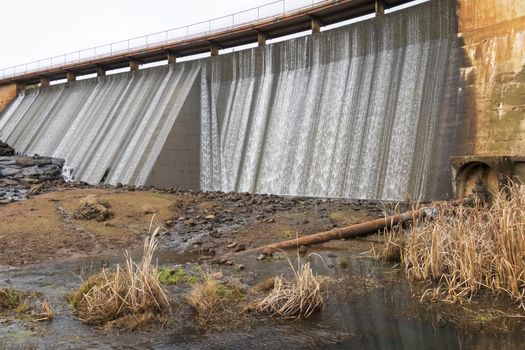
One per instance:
[(146, 210), (303, 250), (17, 173), (240, 248), (261, 257), (93, 208), (6, 150), (35, 189), (232, 245)]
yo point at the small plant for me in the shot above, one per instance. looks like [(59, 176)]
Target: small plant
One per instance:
[(296, 299), (170, 276), (127, 293), (24, 305), (215, 303), (392, 248), (10, 299)]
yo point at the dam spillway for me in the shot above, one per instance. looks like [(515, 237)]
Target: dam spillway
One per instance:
[(351, 112)]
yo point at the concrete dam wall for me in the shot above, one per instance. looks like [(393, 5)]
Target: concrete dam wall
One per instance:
[(362, 111)]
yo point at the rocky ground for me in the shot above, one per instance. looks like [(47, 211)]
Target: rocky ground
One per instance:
[(53, 226), (45, 218), (23, 176)]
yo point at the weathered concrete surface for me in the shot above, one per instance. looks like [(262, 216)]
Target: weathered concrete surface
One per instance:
[(178, 164), (7, 94), (493, 34)]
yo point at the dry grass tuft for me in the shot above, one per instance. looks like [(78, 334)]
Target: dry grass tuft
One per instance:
[(391, 249), (296, 299), (24, 305), (134, 289), (217, 305), (11, 298), (466, 250), (93, 208), (46, 312)]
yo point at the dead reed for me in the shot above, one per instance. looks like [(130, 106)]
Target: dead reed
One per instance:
[(298, 298), (468, 249), (217, 305), (123, 292)]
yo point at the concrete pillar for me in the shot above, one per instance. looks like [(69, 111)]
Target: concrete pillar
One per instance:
[(71, 76), (101, 72), (8, 93), (214, 50), (172, 59), (380, 7), (316, 25), (134, 65), (261, 39), (44, 82)]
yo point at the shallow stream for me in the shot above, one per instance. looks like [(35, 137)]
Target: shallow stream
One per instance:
[(372, 308)]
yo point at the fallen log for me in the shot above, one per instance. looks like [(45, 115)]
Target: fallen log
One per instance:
[(361, 229), (343, 232)]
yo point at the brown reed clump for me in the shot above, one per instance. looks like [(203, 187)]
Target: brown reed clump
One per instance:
[(465, 250), (217, 305), (122, 292), (298, 298)]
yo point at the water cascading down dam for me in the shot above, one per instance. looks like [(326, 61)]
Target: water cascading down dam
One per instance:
[(358, 111)]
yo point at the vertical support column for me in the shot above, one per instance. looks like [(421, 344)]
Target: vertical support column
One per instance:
[(133, 65), (8, 93), (261, 39), (100, 72), (70, 76), (316, 25), (172, 59), (380, 7), (44, 82), (214, 50)]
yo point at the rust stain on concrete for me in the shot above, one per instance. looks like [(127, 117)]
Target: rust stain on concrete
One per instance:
[(493, 33), (7, 94)]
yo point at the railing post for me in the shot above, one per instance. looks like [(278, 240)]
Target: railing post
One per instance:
[(379, 8)]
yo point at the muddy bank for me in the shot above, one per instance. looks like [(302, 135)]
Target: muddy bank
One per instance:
[(45, 227), (47, 247)]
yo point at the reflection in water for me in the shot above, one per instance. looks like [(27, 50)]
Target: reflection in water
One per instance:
[(386, 317)]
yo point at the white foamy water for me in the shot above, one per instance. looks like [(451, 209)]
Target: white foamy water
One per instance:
[(350, 112)]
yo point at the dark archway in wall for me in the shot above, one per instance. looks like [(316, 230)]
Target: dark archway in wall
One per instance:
[(472, 172)]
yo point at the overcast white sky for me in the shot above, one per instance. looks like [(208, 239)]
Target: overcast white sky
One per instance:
[(35, 29)]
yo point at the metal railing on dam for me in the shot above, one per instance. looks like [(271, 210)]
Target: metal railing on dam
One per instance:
[(361, 111), (277, 18)]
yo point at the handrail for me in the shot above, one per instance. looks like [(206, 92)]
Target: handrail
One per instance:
[(170, 36)]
